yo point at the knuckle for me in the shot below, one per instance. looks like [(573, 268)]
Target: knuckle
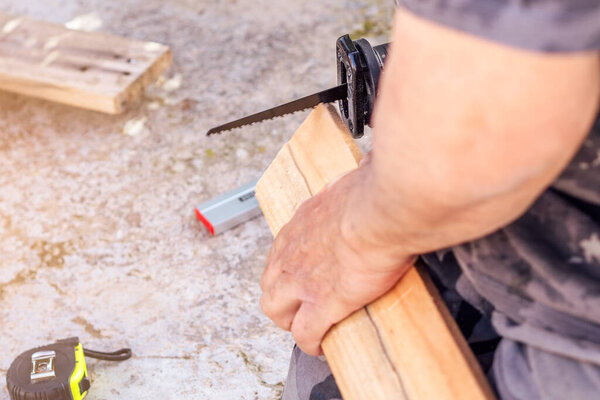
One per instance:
[(265, 306), (301, 334), (288, 324), (263, 281), (308, 346), (272, 251), (284, 323)]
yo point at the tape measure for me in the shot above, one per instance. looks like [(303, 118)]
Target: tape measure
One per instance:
[(55, 372)]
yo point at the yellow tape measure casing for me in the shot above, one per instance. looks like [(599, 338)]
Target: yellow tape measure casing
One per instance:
[(56, 371), (79, 391)]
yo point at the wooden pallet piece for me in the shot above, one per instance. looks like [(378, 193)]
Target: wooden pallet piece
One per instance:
[(405, 345), (95, 71)]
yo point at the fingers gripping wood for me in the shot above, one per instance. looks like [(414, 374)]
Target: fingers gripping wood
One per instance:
[(404, 345)]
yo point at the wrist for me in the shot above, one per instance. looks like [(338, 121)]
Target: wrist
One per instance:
[(365, 227)]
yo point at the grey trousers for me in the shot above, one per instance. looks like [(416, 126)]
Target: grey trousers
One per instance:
[(516, 371)]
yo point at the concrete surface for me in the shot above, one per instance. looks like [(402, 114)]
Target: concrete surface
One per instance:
[(97, 232)]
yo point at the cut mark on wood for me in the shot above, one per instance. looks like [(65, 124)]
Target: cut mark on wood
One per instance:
[(397, 301), (50, 58), (11, 25), (86, 22), (291, 151), (53, 42), (387, 354)]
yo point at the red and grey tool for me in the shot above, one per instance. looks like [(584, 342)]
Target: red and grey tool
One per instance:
[(359, 67), (229, 209)]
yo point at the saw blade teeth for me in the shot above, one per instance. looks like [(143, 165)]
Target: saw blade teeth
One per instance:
[(213, 131), (326, 96)]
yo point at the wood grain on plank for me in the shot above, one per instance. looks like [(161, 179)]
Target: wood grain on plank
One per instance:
[(96, 71), (405, 345)]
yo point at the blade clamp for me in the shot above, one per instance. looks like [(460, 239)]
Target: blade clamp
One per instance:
[(359, 65), (350, 70)]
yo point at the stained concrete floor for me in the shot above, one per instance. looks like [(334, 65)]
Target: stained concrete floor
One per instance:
[(97, 232)]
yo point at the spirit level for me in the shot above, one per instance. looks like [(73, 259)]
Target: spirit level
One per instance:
[(229, 209)]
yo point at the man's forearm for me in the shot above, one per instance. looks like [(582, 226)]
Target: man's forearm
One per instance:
[(467, 133)]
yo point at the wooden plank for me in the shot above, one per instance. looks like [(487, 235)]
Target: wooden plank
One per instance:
[(405, 345), (96, 71), (297, 174)]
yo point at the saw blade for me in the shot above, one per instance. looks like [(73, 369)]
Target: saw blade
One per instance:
[(326, 96)]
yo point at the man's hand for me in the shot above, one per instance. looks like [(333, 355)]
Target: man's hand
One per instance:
[(316, 274), (467, 134)]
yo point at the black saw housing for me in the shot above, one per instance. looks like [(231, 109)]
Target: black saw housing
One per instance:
[(359, 65)]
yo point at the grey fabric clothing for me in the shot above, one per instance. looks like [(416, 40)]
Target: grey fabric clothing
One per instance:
[(545, 25), (525, 372), (536, 282), (309, 378), (541, 275)]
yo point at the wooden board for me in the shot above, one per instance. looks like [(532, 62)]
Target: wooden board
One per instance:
[(96, 71), (405, 345)]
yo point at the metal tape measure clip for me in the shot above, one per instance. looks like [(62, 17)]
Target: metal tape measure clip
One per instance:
[(55, 372)]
